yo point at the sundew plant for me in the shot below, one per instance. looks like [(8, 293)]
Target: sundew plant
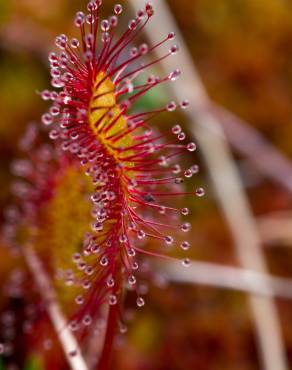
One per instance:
[(109, 190)]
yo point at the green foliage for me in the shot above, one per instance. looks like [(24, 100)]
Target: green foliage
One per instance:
[(34, 363)]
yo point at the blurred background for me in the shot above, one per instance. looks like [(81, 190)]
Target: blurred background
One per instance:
[(242, 51)]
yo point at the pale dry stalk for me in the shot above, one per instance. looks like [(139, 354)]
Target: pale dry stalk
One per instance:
[(67, 340), (226, 183)]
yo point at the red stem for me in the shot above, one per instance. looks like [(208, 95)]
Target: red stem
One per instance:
[(106, 354)]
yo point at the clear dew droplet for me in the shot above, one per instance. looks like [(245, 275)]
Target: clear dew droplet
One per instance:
[(91, 6), (88, 56), (73, 325), (103, 261), (134, 52), (123, 328), (149, 9), (79, 300), (195, 168), (61, 41), (140, 302), (185, 227), (105, 26), (112, 300), (123, 238), (53, 57), (132, 280), (55, 111), (171, 36), (181, 136), (76, 257), (191, 147), (86, 284), (55, 73), (188, 173), (200, 192), (132, 226), (186, 262), (185, 211), (135, 266), (174, 75), (105, 37), (140, 13), (132, 24), (141, 234), (176, 129), (176, 169), (143, 49), (47, 119), (113, 21), (185, 245), (46, 95), (118, 9), (168, 240), (81, 265), (89, 270), (171, 106), (89, 39), (87, 320), (173, 50), (54, 134), (110, 282), (131, 252), (184, 104), (79, 19)]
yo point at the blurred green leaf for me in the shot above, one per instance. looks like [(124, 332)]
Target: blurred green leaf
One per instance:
[(34, 363), (1, 365), (4, 12)]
